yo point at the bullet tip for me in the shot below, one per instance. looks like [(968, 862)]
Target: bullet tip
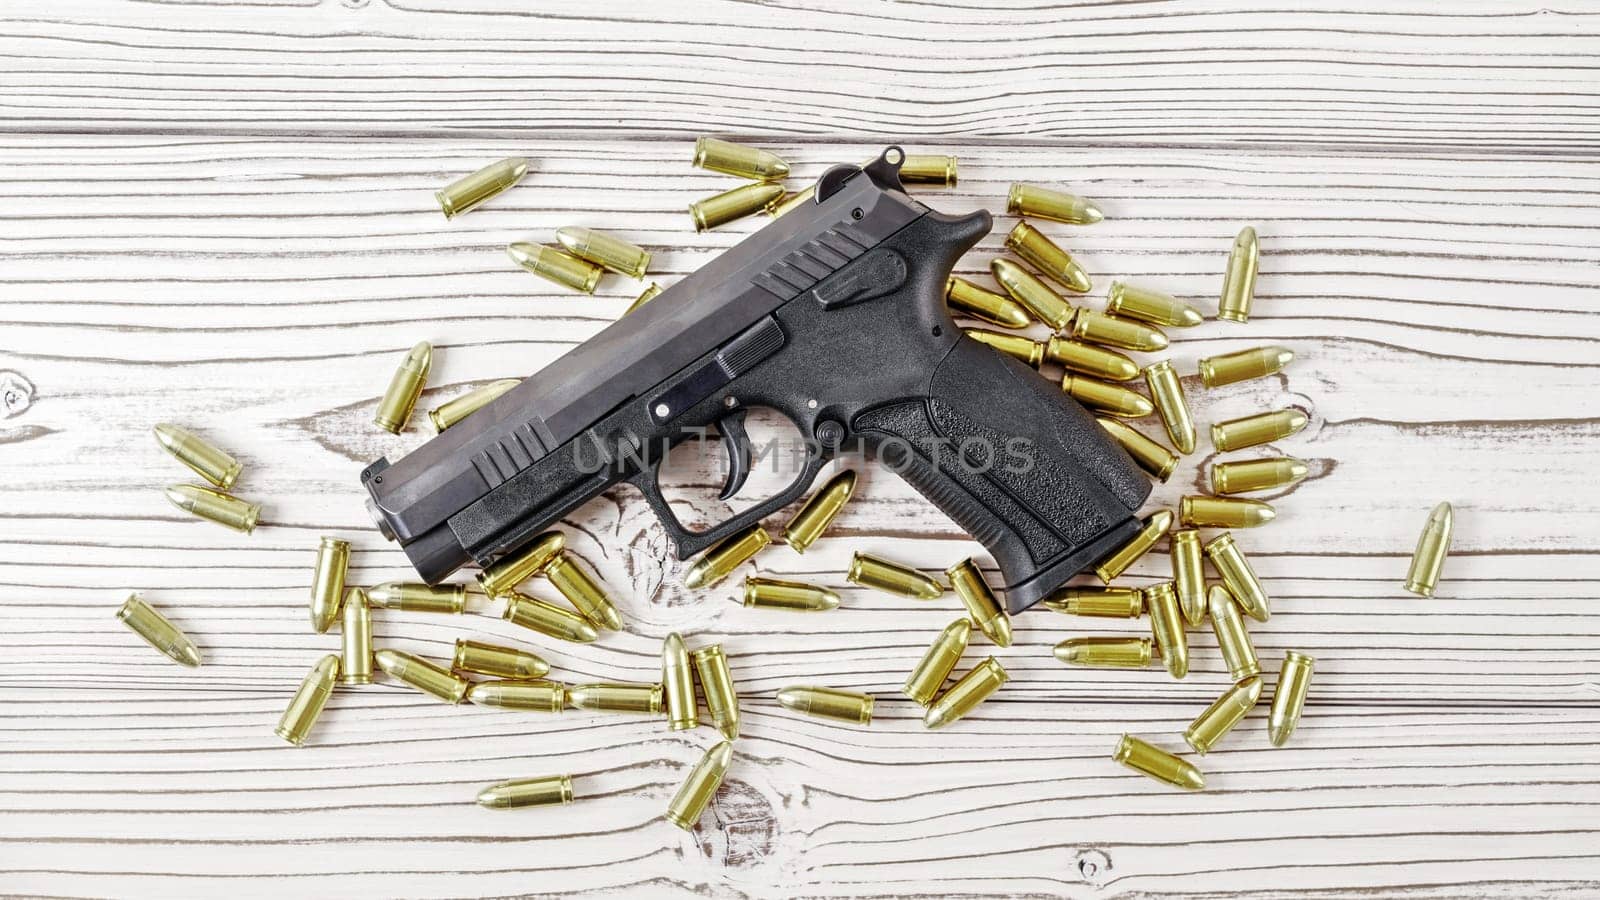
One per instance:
[(1283, 355), (1278, 734), (791, 699), (695, 578), (1092, 213), (523, 254), (189, 656)]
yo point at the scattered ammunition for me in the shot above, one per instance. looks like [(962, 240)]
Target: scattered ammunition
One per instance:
[(891, 577), (1150, 306), (452, 411), (467, 192), (1238, 577), (1048, 257), (1188, 575), (770, 593), (1090, 360), (552, 790), (1106, 652), (1118, 562), (1158, 764), (394, 409), (818, 512), (937, 664), (785, 202), (480, 658), (308, 702), (927, 168), (979, 303), (159, 633), (1224, 512), (1294, 680), (695, 795), (1099, 328), (1220, 717), (1256, 475), (1151, 456), (355, 639), (1239, 283), (1243, 365), (1035, 296), (615, 697), (716, 685), (205, 460), (556, 266), (414, 596), (1167, 393), (422, 675), (580, 588), (505, 573), (538, 696), (645, 296), (1017, 346), (1233, 639), (677, 679), (223, 509), (605, 250), (1107, 398), (1043, 203), (1102, 602), (727, 206), (546, 618), (964, 696), (1261, 428), (720, 561), (1432, 548), (738, 160), (1166, 622), (982, 608), (327, 582), (828, 703)]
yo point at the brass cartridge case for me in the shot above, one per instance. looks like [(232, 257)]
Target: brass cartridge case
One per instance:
[(738, 160), (728, 206), (695, 795), (828, 703), (645, 296), (1256, 474), (720, 561), (552, 790), (546, 618), (1427, 561), (494, 660), (209, 462), (1243, 365), (1220, 717), (649, 699), (298, 719), (1166, 622), (1224, 512), (452, 411), (677, 678), (928, 168), (1227, 622), (1106, 652), (605, 250), (997, 309), (818, 512), (469, 191), (716, 685), (556, 266), (414, 596), (327, 582), (1166, 391), (422, 675), (536, 696), (500, 577), (1090, 360), (964, 696), (1132, 302), (581, 589), (1099, 328), (1102, 602), (142, 619), (1164, 767), (1188, 575), (1048, 257), (1289, 699), (1035, 296), (224, 509), (355, 639), (1017, 346), (1262, 428), (1107, 398), (891, 577), (400, 399), (936, 665), (1238, 577), (1155, 525), (770, 593), (982, 607), (1239, 282), (1057, 206), (1151, 456)]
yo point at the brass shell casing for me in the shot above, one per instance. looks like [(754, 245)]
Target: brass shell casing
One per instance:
[(469, 191), (1057, 206), (686, 807), (1101, 602), (729, 554), (556, 266), (423, 675), (1099, 328), (327, 582), (400, 399), (605, 250), (1048, 257), (1166, 623), (652, 291), (1148, 759), (209, 462), (534, 695), (355, 639), (720, 209), (1220, 717), (1189, 575), (1017, 346), (1151, 456), (1239, 282), (997, 309), (1034, 295), (1427, 561), (935, 667), (1233, 639), (552, 790), (547, 618), (414, 596), (1289, 699), (1166, 392), (1106, 652), (890, 577), (1238, 577), (1224, 512), (983, 608), (828, 703), (1107, 398), (1155, 525), (224, 509), (452, 411), (143, 620), (1261, 428), (770, 593), (1094, 361), (818, 512), (738, 160), (964, 696), (716, 685), (1133, 302), (601, 696), (1256, 474), (569, 576), (496, 661), (928, 168), (1243, 365), (297, 721), (677, 677), (501, 577)]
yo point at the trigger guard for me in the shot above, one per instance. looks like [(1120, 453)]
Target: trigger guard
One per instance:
[(736, 442)]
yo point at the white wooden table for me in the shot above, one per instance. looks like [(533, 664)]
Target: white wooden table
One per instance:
[(221, 215)]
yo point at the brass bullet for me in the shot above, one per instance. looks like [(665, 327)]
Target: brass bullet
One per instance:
[(974, 301), (695, 795), (1188, 575), (1044, 203), (677, 679), (891, 577), (546, 618), (1154, 527), (1017, 346), (536, 696), (567, 573), (223, 509), (738, 160), (814, 517), (355, 639), (1294, 680), (413, 596), (928, 168), (770, 593), (828, 703), (298, 719), (731, 553), (1107, 398), (452, 411), (327, 582), (1099, 328), (142, 619), (501, 576), (556, 266), (1224, 512), (649, 699), (1106, 652), (1166, 391), (1239, 283), (716, 685), (1035, 296), (964, 696), (1164, 767), (552, 790), (398, 402), (1166, 622), (936, 665), (1238, 577), (1151, 456), (1090, 360), (1102, 602), (467, 192), (1220, 717), (605, 250), (783, 203), (645, 296), (1048, 257), (1432, 548), (1132, 302), (727, 206), (494, 660), (422, 675), (1243, 365), (209, 462), (1256, 474), (982, 608), (1261, 428), (1233, 639)]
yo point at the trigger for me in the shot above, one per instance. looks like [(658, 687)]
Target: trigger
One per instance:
[(737, 443)]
